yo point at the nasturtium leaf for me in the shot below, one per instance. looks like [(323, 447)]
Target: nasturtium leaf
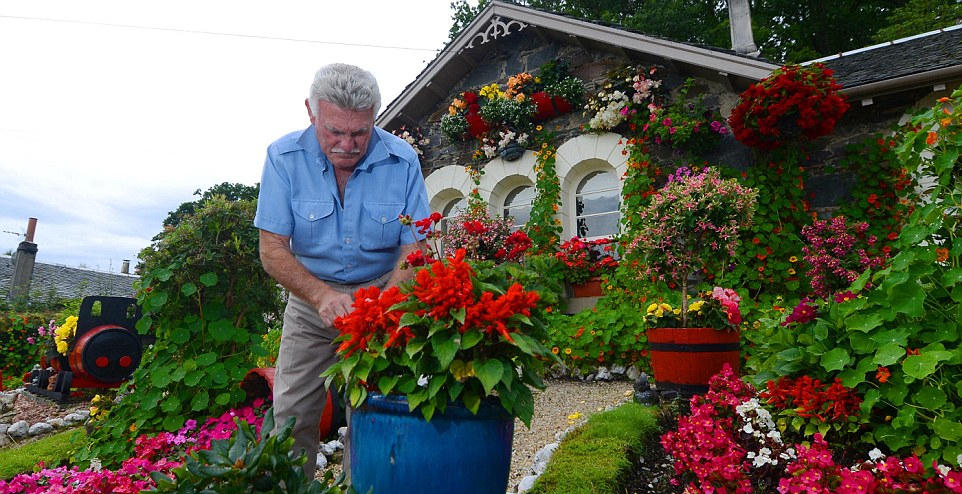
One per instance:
[(489, 373), (200, 401), (160, 378), (945, 161), (861, 343), (157, 300), (171, 404), (163, 274), (951, 277), (222, 399), (835, 359), (208, 279), (907, 298), (930, 397), (193, 377), (188, 289), (180, 335), (221, 330), (790, 355), (947, 429), (919, 366), (871, 397), (863, 322), (912, 235), (889, 354), (905, 418), (851, 377), (174, 422)]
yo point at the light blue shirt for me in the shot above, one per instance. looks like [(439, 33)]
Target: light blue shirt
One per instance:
[(352, 242)]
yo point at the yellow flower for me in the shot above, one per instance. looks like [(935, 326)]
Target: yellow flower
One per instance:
[(574, 416), (652, 308), (537, 80), (793, 259), (62, 347), (696, 306), (94, 411), (567, 351), (133, 427), (519, 98), (538, 128), (676, 311), (452, 110), (554, 350), (95, 399), (791, 271)]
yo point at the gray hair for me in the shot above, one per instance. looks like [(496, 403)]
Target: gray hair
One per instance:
[(347, 86)]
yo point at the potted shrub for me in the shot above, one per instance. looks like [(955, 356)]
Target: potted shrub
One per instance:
[(436, 370), (583, 262), (690, 227)]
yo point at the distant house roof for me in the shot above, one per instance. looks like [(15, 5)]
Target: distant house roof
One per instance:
[(915, 61), (68, 282), (500, 19)]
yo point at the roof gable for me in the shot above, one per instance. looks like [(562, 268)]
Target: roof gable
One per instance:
[(499, 20)]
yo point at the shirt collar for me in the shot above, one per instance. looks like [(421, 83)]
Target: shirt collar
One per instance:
[(378, 148)]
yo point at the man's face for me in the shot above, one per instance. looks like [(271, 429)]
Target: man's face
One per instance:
[(342, 134)]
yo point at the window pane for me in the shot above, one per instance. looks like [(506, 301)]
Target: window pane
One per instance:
[(521, 195), (521, 215), (518, 205), (597, 202), (597, 181), (601, 225)]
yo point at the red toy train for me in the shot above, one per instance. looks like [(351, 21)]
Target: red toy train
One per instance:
[(105, 351)]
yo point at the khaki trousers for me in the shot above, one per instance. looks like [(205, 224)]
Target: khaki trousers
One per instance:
[(306, 351)]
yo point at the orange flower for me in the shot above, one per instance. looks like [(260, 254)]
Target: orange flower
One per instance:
[(554, 350), (567, 351), (932, 138), (756, 241), (883, 374), (910, 351), (548, 309), (943, 99), (941, 254)]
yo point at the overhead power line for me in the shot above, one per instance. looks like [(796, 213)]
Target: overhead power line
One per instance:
[(216, 33)]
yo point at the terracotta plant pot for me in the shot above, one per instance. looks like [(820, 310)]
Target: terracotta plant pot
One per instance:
[(590, 288), (684, 359)]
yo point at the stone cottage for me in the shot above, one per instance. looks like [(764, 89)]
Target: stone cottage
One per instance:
[(882, 82)]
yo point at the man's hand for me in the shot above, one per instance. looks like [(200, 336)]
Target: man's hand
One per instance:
[(332, 306)]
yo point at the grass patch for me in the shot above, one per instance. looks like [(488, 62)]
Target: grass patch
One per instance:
[(596, 457), (52, 450)]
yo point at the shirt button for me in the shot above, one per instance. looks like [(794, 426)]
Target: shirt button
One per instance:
[(310, 217), (347, 240), (383, 219)]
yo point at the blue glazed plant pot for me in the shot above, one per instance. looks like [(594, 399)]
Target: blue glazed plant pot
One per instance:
[(398, 452)]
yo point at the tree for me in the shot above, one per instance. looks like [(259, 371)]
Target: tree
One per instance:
[(784, 30), (231, 191), (919, 16)]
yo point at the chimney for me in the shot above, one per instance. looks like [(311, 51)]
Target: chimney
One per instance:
[(125, 267), (740, 20), (23, 269)]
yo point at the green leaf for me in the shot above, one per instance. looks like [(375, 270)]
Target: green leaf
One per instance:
[(470, 338), (222, 399), (188, 289), (221, 330), (790, 355), (408, 319), (872, 397), (907, 298), (208, 279), (445, 348), (434, 385), (386, 383), (160, 377), (200, 401), (206, 359), (173, 422), (913, 235), (489, 373), (157, 300), (920, 366), (951, 277), (180, 335), (864, 322), (947, 429), (193, 377), (835, 359), (946, 161), (471, 400), (459, 314), (170, 405), (889, 354), (930, 397)]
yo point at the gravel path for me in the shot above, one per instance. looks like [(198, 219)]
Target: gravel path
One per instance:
[(552, 407)]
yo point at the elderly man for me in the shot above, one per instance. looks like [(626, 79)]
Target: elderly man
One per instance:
[(328, 212)]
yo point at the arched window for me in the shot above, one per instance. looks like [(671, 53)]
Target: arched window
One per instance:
[(453, 208), (518, 205), (596, 205)]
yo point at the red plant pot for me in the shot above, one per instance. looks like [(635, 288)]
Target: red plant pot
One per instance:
[(684, 359), (561, 105), (590, 288), (544, 109)]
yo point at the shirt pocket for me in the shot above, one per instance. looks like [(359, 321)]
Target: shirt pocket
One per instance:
[(315, 225), (380, 226)]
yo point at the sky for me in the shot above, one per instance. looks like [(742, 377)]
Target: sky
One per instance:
[(112, 113)]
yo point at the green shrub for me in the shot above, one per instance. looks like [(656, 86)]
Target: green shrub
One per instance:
[(899, 344), (52, 450), (597, 457), (207, 300), (611, 334)]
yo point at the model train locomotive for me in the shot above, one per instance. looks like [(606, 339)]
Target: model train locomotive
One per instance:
[(105, 351)]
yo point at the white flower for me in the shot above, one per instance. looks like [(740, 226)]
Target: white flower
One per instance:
[(943, 470), (95, 464), (875, 455), (423, 380), (748, 429)]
